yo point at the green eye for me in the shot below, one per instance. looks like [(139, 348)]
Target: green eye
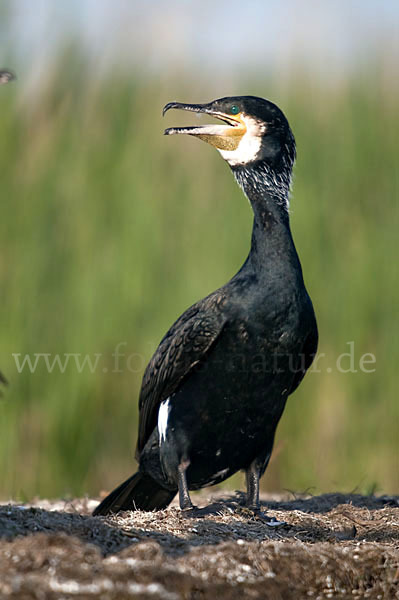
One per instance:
[(234, 109)]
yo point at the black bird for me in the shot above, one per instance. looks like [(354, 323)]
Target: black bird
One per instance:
[(215, 389)]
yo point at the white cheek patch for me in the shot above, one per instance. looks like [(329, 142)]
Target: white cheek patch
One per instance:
[(250, 145), (163, 415)]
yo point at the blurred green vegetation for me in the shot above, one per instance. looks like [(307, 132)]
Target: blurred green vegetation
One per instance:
[(109, 231)]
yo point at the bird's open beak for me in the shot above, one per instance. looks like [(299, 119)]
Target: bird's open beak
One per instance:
[(224, 137)]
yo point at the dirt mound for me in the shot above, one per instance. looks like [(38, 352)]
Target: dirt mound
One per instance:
[(333, 546)]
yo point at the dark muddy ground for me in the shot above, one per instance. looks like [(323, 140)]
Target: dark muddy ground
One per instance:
[(333, 546)]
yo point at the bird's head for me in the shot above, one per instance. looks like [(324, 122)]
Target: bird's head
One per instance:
[(254, 130)]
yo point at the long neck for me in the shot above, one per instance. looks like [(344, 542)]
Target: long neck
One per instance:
[(271, 242)]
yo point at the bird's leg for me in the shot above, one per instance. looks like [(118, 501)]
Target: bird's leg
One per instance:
[(253, 474), (184, 496)]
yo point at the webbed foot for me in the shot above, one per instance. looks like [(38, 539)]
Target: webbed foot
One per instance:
[(255, 513)]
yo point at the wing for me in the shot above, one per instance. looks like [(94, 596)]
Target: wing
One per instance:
[(308, 353), (184, 346)]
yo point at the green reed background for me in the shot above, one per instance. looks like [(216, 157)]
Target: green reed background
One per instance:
[(109, 231)]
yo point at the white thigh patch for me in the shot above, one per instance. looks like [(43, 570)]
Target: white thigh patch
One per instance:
[(163, 415)]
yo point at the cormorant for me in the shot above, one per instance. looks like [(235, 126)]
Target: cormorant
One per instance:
[(215, 389)]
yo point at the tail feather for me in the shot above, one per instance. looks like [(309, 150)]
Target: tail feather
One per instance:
[(139, 492)]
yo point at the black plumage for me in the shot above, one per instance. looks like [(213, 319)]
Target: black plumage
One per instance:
[(215, 389)]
